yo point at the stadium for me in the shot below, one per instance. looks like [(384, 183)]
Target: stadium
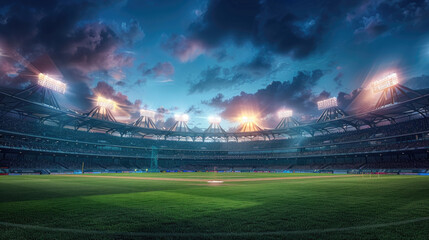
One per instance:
[(72, 173), (391, 138)]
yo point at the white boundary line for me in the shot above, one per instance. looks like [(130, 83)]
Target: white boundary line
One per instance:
[(204, 234)]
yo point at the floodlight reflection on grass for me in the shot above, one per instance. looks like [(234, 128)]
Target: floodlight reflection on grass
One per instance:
[(50, 83), (327, 103), (386, 82)]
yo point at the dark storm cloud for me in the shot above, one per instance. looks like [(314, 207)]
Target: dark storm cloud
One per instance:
[(61, 30), (221, 55), (345, 99), (371, 27), (259, 66), (339, 79), (296, 94), (420, 82), (293, 28), (131, 32), (375, 18), (217, 78), (93, 48)]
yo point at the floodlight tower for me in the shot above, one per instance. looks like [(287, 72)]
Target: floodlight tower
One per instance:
[(248, 124), (330, 110), (214, 125), (146, 119), (181, 123), (287, 120), (43, 90), (389, 87), (103, 110)]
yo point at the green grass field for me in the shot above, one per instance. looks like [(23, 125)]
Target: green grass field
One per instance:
[(344, 207)]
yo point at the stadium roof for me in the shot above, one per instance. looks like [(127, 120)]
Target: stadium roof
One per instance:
[(44, 112)]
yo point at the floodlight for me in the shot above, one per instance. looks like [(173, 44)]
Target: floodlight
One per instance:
[(106, 103), (386, 82), (48, 82), (247, 119), (327, 103), (147, 113), (214, 119), (181, 117), (284, 113)]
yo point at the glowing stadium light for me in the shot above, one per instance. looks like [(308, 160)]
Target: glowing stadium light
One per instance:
[(147, 113), (48, 82), (327, 103), (106, 103), (386, 82), (214, 119), (247, 119), (181, 117), (284, 113)]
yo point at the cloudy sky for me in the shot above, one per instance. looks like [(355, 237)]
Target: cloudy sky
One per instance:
[(225, 57)]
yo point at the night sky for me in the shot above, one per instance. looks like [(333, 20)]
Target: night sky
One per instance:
[(219, 57)]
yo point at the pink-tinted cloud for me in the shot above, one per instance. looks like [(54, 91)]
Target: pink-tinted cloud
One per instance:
[(94, 47), (183, 48), (107, 91), (7, 68), (161, 69)]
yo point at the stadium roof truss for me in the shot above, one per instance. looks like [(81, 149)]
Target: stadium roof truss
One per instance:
[(391, 95), (144, 122), (10, 103), (287, 122)]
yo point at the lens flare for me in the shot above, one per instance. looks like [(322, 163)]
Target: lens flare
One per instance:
[(247, 119), (48, 82), (106, 103), (386, 82)]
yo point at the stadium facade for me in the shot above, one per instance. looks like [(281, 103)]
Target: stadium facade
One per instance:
[(38, 136)]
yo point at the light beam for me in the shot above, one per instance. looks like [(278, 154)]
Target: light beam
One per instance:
[(106, 103), (386, 82)]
